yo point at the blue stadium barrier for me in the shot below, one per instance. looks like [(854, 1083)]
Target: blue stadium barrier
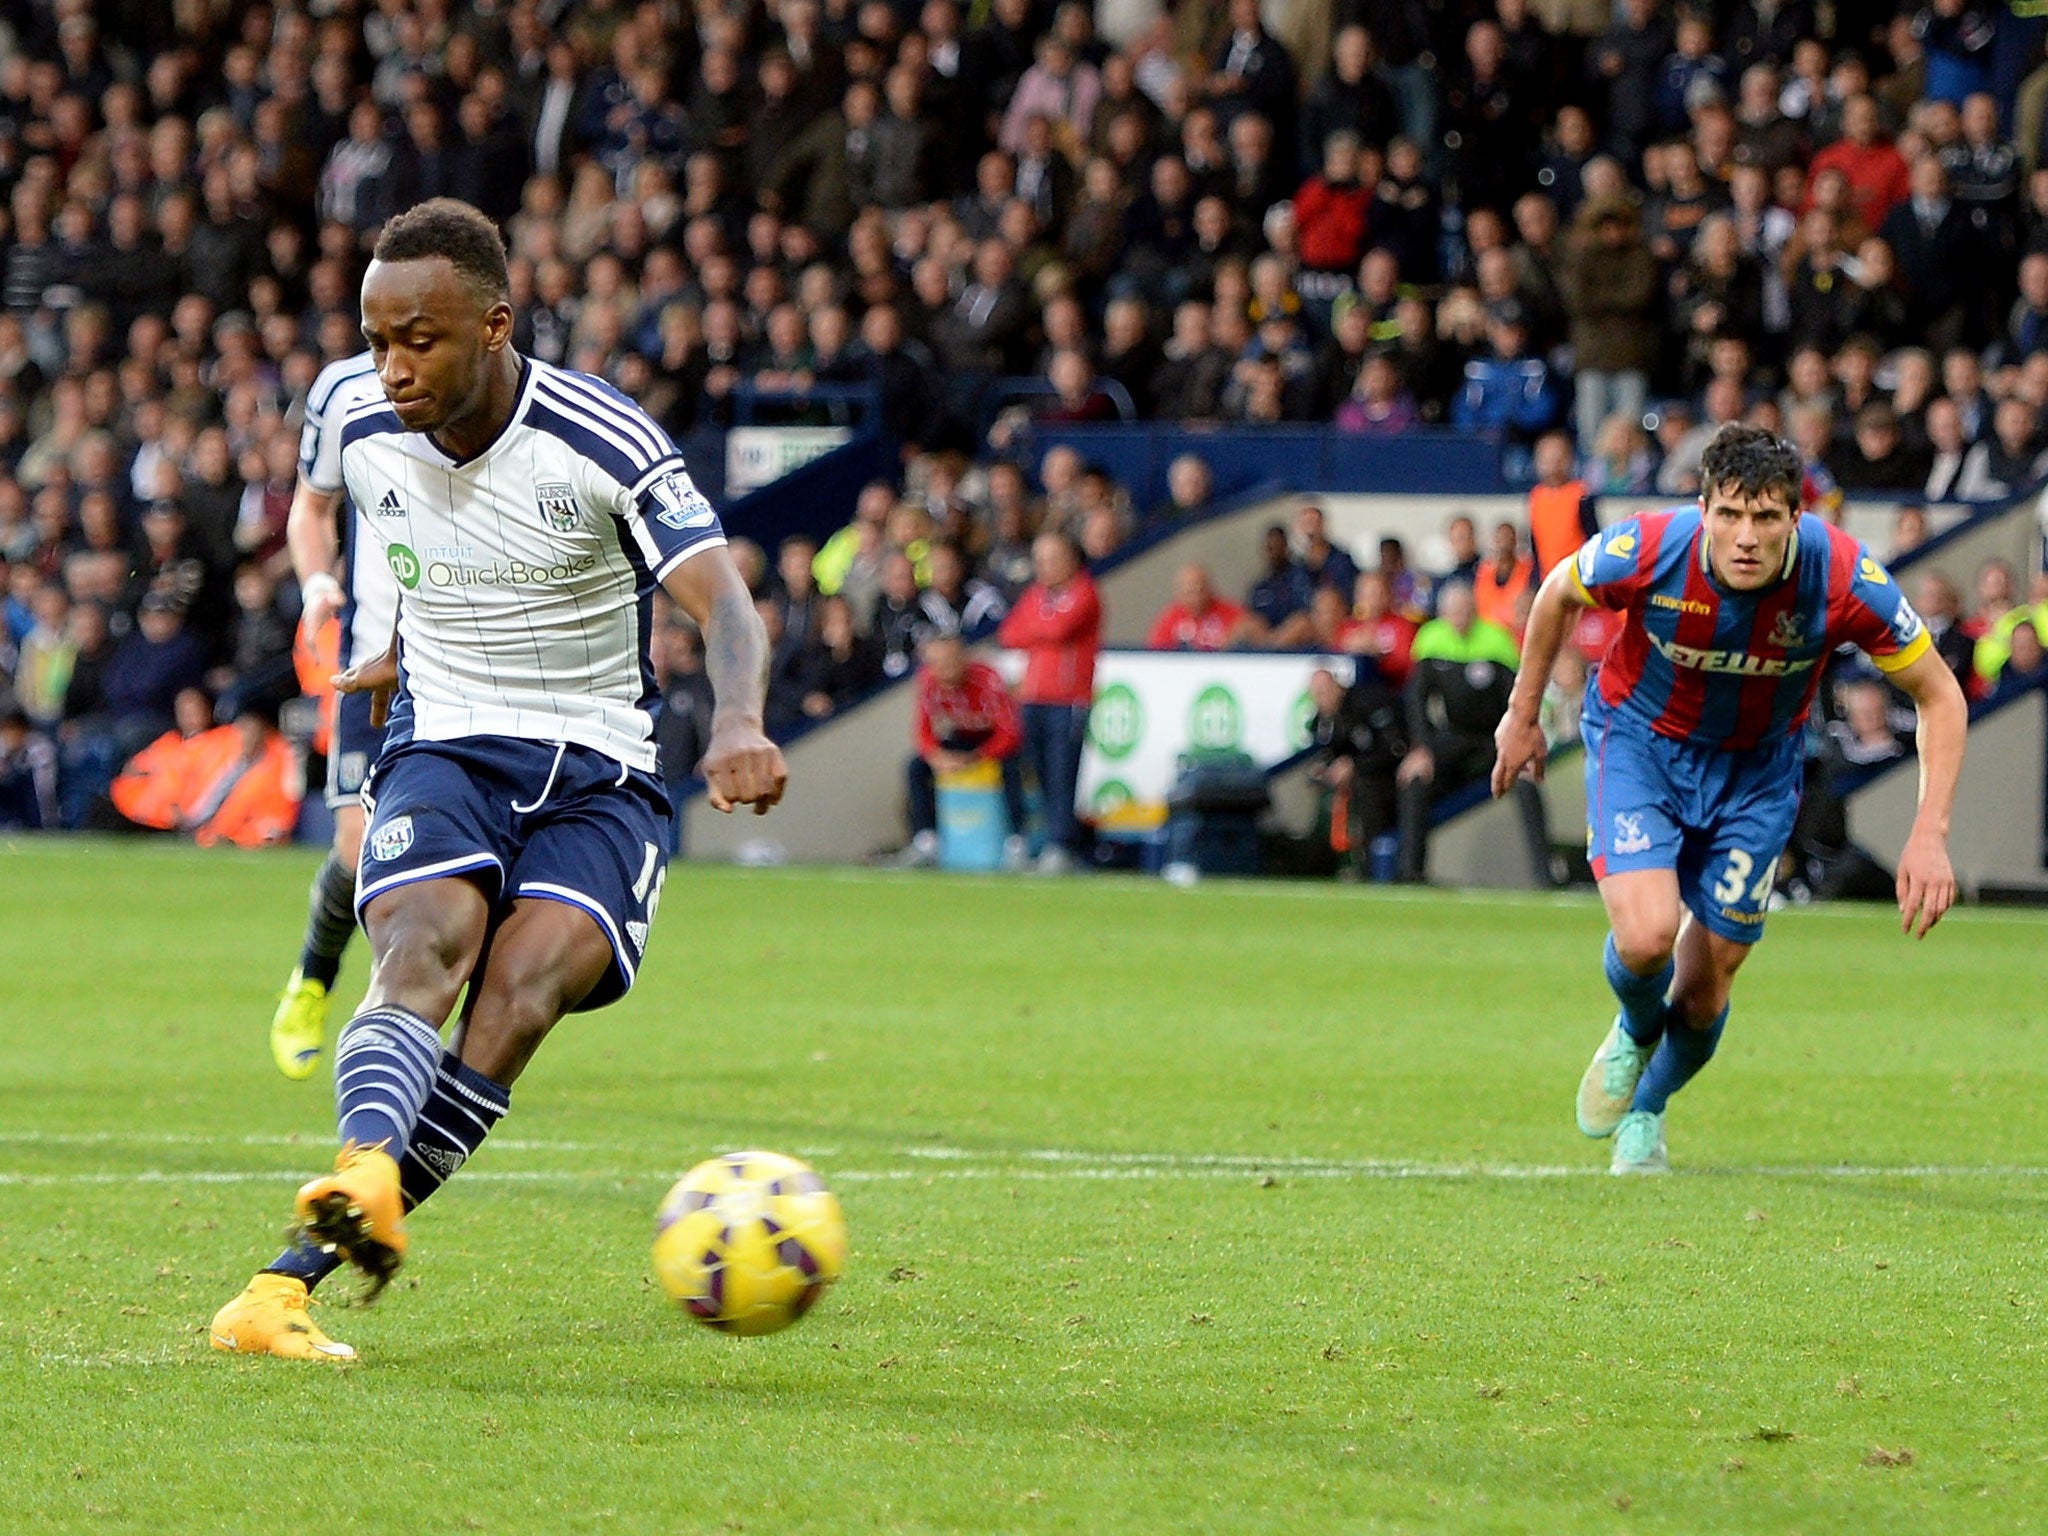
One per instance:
[(1422, 461)]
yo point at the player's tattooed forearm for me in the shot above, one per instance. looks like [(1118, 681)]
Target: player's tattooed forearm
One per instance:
[(736, 652)]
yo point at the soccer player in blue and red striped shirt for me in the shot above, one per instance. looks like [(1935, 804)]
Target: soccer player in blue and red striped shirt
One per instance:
[(1692, 731)]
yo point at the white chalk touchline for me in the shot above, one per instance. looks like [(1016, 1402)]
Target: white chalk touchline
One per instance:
[(1065, 1167)]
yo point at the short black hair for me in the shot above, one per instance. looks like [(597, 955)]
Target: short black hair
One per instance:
[(1753, 462), (449, 228)]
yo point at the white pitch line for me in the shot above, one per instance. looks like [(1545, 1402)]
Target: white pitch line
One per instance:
[(1079, 1171)]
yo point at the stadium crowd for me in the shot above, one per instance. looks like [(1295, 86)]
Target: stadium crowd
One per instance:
[(1532, 218)]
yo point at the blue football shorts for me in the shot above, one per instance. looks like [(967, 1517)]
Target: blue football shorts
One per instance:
[(1720, 819), (352, 748), (524, 821)]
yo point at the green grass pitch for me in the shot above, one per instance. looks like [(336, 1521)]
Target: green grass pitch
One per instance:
[(1238, 1208)]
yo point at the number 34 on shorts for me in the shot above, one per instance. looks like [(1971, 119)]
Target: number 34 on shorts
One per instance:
[(1734, 887)]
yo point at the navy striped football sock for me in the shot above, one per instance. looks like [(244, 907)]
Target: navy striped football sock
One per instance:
[(1642, 997), (330, 923), (1684, 1050), (452, 1124), (383, 1072)]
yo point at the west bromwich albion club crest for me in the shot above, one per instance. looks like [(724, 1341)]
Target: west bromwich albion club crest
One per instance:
[(558, 505), (391, 839)]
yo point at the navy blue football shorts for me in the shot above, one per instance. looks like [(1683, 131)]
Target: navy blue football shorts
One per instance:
[(352, 748), (524, 821)]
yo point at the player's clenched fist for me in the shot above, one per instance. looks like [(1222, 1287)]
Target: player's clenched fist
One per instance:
[(743, 767), (378, 678)]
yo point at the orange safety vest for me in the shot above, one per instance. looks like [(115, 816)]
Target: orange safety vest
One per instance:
[(263, 807), (1555, 527), (169, 778), (316, 658), (1496, 601)]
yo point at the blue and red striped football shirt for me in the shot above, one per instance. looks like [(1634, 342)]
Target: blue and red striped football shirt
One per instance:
[(1700, 663)]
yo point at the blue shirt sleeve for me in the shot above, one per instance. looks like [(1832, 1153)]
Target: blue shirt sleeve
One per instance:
[(670, 518), (1875, 617)]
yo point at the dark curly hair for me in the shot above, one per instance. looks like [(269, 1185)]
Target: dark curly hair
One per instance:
[(1754, 463), (449, 228)]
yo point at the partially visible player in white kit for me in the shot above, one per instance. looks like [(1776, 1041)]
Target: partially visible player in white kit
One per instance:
[(326, 536), (518, 830)]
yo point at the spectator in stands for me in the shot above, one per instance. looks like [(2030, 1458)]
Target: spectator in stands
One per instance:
[(1464, 669), (1198, 619), (1013, 524), (2012, 457), (1190, 489), (28, 773), (682, 730), (1863, 736), (965, 715), (1505, 580), (1380, 633), (899, 617), (1941, 264), (1331, 209), (2026, 664), (1876, 171), (838, 665), (1946, 450), (46, 656), (1278, 601), (1562, 510), (794, 590), (1940, 606), (1360, 737), (1327, 564), (1378, 403), (957, 603), (1057, 623), (1610, 291), (158, 660), (1877, 459)]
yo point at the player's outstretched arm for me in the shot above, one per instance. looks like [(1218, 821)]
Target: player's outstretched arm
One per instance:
[(1518, 745), (309, 533), (1926, 883), (741, 766)]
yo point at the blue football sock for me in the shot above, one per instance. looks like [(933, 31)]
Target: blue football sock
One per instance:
[(452, 1124), (1642, 997), (1679, 1058), (384, 1067), (303, 1262)]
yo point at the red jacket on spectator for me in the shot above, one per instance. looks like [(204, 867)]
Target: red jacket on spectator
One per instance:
[(1330, 224), (1393, 639), (980, 706), (1176, 629), (1878, 180), (1059, 629)]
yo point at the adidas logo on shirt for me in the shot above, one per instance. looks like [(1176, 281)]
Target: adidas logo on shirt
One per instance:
[(391, 506)]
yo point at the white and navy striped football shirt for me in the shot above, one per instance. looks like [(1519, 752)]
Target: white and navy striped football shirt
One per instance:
[(528, 570), (372, 606)]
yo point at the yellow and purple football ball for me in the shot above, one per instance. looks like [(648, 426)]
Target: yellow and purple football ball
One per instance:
[(746, 1243)]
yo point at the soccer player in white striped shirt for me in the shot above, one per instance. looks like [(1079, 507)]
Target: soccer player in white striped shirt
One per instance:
[(518, 829)]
